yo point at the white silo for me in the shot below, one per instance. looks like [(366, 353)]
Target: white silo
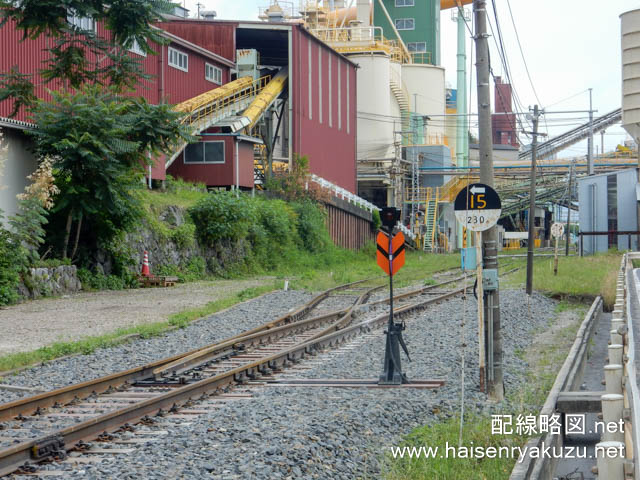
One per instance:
[(375, 120), (426, 88), (631, 73)]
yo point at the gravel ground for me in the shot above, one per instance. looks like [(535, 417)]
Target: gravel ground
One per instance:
[(315, 433), (30, 325), (139, 352)]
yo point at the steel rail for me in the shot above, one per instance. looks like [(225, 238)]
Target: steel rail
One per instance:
[(16, 456), (234, 344), (32, 404)]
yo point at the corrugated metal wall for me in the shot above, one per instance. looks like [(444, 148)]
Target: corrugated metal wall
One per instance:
[(348, 230), (324, 123), (175, 84), (217, 37)]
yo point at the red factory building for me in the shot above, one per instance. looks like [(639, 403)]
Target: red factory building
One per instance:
[(316, 115), (504, 125), (313, 114)]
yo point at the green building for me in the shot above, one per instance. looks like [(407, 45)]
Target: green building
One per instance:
[(417, 21)]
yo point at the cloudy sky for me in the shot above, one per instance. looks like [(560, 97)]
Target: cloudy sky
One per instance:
[(569, 46)]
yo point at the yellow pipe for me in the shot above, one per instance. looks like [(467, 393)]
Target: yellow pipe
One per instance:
[(215, 94), (266, 96), (447, 4)]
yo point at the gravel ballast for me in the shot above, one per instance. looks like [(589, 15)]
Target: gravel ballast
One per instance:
[(105, 361), (321, 433)]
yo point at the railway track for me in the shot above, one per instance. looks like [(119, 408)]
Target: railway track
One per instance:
[(62, 420)]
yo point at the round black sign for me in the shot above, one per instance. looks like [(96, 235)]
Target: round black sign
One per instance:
[(477, 196)]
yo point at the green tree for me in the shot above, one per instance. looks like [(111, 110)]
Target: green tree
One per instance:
[(98, 141), (98, 138)]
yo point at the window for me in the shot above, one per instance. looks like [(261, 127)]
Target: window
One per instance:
[(405, 23), (405, 3), (417, 46), (204, 152), (178, 60), (135, 48), (213, 74), (81, 23)]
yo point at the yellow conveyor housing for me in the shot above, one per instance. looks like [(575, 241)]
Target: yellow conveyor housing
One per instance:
[(266, 97), (214, 95)]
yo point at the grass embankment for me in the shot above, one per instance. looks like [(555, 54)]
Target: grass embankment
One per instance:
[(578, 279), (545, 358)]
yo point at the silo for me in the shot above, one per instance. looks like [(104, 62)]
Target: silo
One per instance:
[(426, 88), (375, 121), (631, 73)]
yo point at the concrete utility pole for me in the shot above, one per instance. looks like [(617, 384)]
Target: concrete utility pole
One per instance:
[(532, 201), (590, 143), (490, 237)]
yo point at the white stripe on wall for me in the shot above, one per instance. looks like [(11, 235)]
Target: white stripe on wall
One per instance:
[(310, 84), (330, 92), (339, 95), (348, 102), (320, 83)]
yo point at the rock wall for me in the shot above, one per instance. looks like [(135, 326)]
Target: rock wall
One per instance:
[(168, 247), (40, 282)]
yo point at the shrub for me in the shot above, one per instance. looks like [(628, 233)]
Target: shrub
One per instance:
[(184, 236), (377, 221), (222, 215), (13, 260), (99, 281), (311, 226)]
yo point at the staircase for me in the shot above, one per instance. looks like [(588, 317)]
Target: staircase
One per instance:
[(430, 220), (402, 98)]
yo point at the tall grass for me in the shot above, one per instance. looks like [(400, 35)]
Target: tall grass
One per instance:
[(578, 277)]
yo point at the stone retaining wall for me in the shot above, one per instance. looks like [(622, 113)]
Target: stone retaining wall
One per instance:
[(40, 282)]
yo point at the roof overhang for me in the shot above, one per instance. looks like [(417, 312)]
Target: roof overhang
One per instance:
[(17, 124)]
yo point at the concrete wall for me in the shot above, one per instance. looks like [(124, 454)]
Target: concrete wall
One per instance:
[(18, 164)]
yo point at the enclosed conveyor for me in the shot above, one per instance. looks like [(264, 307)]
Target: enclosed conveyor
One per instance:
[(259, 105)]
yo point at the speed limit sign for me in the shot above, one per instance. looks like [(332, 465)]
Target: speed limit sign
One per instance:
[(477, 207)]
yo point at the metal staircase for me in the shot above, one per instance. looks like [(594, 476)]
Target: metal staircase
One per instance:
[(402, 97), (430, 220)]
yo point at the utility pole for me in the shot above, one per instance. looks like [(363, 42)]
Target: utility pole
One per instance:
[(532, 201), (568, 229), (490, 237), (602, 132), (590, 143)]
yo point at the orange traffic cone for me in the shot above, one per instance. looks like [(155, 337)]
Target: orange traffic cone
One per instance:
[(145, 265)]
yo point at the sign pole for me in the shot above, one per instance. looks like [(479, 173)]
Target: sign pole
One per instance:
[(387, 256), (478, 207), (555, 259), (482, 355)]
